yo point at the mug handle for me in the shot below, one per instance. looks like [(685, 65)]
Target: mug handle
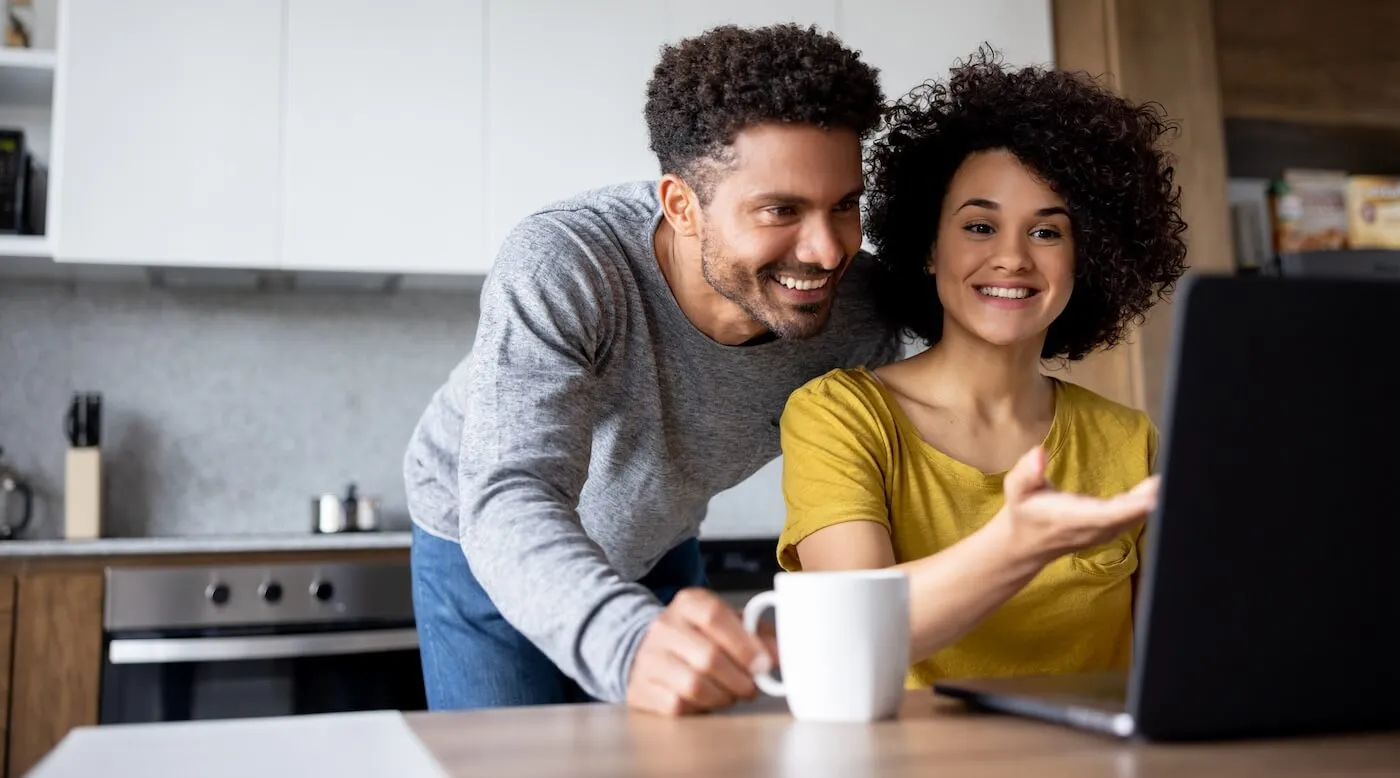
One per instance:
[(752, 611)]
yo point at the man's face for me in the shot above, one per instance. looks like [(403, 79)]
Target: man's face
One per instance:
[(782, 224)]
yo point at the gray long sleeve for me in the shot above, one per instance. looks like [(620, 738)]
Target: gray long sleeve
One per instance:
[(584, 435)]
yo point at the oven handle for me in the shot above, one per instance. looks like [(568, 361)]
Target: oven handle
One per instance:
[(147, 651)]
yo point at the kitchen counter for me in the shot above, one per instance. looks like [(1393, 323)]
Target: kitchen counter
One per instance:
[(931, 736), (204, 544)]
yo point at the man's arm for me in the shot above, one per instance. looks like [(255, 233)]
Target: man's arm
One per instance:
[(529, 404), (530, 399)]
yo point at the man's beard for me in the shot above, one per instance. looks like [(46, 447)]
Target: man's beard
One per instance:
[(747, 291)]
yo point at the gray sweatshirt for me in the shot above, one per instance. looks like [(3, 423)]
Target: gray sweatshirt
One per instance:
[(590, 425)]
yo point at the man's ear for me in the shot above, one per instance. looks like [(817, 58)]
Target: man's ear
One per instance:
[(680, 205)]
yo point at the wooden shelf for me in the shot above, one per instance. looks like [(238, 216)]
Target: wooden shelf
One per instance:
[(26, 77), (1300, 61)]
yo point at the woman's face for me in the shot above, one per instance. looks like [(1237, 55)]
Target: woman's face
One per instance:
[(1004, 260)]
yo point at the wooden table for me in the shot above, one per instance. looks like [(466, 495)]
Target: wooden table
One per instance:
[(932, 737)]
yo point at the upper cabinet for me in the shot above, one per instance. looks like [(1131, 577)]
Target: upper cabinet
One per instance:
[(911, 42), (324, 135), (564, 101), (383, 155), (167, 132)]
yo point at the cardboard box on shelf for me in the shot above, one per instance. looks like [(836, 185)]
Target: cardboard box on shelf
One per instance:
[(1373, 212), (1310, 211)]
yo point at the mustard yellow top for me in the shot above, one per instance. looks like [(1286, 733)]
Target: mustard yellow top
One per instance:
[(851, 454)]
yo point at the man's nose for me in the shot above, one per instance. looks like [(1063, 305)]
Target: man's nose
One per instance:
[(821, 245)]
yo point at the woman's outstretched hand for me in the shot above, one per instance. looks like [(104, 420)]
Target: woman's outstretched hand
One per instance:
[(1046, 523)]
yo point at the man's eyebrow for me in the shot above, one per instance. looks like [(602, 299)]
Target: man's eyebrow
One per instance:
[(788, 198)]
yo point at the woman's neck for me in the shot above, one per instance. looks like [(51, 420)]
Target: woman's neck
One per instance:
[(984, 382)]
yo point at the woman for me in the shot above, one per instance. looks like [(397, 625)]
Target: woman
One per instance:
[(1022, 217)]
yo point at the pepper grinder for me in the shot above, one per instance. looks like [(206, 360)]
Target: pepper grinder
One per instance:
[(82, 496)]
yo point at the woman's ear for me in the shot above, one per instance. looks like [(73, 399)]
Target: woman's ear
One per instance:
[(930, 260)]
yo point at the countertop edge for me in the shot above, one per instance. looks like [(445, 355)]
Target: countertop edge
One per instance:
[(213, 544)]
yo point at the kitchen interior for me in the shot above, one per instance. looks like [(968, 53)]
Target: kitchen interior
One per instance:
[(241, 243)]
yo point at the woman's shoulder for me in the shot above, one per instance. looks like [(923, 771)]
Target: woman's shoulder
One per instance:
[(852, 396), (1104, 417)]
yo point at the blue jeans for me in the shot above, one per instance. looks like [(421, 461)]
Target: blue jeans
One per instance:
[(473, 658)]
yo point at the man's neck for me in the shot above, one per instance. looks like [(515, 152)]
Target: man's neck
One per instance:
[(711, 312)]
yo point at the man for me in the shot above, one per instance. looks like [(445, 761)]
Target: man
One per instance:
[(635, 348)]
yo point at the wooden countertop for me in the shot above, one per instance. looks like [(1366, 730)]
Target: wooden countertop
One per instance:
[(933, 736)]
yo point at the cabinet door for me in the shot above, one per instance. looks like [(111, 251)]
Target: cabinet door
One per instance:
[(383, 163), (687, 18), (167, 124), (911, 41), (565, 93)]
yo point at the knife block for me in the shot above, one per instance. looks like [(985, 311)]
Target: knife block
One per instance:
[(82, 496)]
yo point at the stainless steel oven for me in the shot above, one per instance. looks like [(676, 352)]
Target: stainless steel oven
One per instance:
[(210, 642)]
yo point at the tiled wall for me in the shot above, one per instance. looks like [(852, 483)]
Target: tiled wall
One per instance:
[(223, 411)]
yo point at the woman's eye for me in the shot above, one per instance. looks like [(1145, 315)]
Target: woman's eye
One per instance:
[(1046, 233), (980, 229)]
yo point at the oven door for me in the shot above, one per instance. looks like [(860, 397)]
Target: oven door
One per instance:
[(268, 671)]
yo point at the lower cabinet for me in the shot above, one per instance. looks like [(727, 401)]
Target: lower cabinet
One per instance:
[(51, 649)]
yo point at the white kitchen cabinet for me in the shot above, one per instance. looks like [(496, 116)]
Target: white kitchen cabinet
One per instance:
[(567, 89), (911, 41), (383, 155), (167, 132), (684, 19), (564, 98)]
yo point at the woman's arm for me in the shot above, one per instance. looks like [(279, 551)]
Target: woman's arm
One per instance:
[(836, 455), (953, 590), (949, 592)]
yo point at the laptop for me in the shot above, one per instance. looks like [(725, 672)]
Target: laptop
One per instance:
[(1269, 594)]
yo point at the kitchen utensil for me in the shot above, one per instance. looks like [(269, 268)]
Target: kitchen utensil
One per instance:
[(328, 514), (13, 487), (83, 422), (351, 513), (366, 514)]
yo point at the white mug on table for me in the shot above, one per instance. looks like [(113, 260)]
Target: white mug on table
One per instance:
[(843, 642)]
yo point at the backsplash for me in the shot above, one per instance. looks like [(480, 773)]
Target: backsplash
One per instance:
[(226, 412), (223, 412)]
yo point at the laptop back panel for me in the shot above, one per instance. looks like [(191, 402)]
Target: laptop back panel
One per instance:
[(1279, 520)]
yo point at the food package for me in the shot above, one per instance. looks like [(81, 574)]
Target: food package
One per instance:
[(1310, 211), (1373, 212)]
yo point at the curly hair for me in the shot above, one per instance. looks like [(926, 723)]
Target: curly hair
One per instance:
[(707, 89), (1096, 150)]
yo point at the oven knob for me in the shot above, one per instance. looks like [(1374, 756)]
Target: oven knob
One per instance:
[(271, 591), (217, 593), (322, 590)]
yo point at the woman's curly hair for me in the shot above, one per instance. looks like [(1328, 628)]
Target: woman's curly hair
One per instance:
[(1097, 150), (706, 89)]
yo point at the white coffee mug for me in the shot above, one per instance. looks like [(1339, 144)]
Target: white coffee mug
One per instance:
[(843, 642)]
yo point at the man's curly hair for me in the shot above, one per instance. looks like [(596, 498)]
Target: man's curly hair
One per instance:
[(707, 89), (1097, 150)]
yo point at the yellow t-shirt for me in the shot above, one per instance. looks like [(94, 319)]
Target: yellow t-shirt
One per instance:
[(851, 454)]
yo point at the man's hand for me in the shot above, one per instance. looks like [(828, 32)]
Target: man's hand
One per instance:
[(696, 657), (1046, 523)]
